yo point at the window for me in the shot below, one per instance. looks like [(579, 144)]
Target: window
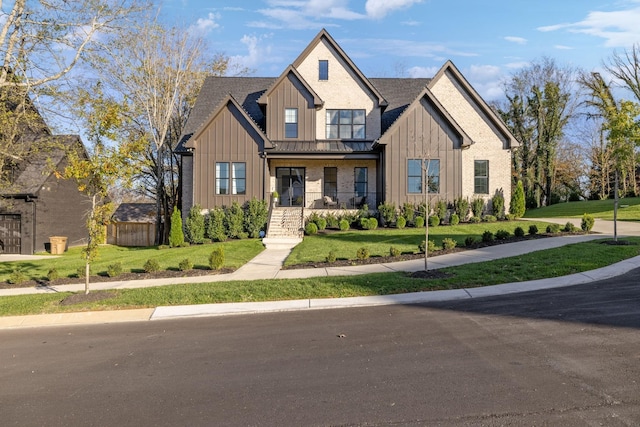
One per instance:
[(323, 69), (481, 176), (291, 123), (237, 178), (345, 124), (222, 178), (331, 182), (415, 176), (360, 182)]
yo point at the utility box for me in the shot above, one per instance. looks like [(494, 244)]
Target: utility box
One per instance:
[(58, 244)]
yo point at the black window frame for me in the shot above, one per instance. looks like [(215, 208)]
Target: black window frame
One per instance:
[(323, 70), (290, 128), (236, 180), (480, 182), (222, 190), (330, 185), (346, 123)]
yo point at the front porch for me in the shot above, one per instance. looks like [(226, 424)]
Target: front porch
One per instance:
[(325, 184)]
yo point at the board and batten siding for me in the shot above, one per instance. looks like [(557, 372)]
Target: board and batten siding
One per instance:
[(227, 138), (421, 132), (290, 93)]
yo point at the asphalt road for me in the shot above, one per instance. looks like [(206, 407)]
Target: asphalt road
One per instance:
[(568, 357)]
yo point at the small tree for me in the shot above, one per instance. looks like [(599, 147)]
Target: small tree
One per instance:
[(256, 213), (517, 206), (176, 236)]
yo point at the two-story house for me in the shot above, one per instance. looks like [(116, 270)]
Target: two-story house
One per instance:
[(323, 135)]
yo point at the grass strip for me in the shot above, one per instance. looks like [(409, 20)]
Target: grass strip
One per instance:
[(536, 265)]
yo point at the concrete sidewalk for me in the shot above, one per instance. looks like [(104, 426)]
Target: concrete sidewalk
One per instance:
[(267, 265)]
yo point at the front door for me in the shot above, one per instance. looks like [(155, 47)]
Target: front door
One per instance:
[(291, 186)]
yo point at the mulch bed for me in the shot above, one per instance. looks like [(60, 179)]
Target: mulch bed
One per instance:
[(122, 277)]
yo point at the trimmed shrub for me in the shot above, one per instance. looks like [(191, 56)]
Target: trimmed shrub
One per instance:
[(533, 229), (114, 270), (387, 213), (569, 227), (364, 223), (502, 234), (234, 221), (454, 219), (518, 232), (332, 220), (373, 223), (331, 257), (321, 223), (419, 221), (517, 207), (434, 221), (176, 235), (311, 228), (587, 223), (344, 225), (216, 259), (185, 265), (394, 252), (489, 218), (497, 204), (215, 225), (553, 228), (477, 205), (469, 241), (448, 243), (441, 210), (362, 253), (510, 217), (17, 276), (461, 207), (53, 274), (195, 226), (401, 222), (430, 245), (475, 219), (488, 237), (163, 247), (256, 213), (151, 266), (408, 212)]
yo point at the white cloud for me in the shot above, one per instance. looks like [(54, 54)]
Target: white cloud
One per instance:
[(517, 65), (619, 28), (411, 48), (378, 9), (518, 40), (562, 47), (203, 26), (487, 80), (411, 23), (420, 72)]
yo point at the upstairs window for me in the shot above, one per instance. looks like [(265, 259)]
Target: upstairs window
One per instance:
[(291, 123), (345, 124), (323, 69)]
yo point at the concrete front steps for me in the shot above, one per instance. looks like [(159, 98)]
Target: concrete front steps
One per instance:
[(286, 228)]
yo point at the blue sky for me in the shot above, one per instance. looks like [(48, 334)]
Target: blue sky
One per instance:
[(487, 40)]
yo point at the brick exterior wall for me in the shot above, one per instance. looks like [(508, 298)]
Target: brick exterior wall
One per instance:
[(341, 91), (488, 143)]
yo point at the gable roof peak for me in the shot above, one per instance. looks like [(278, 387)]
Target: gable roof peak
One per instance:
[(324, 35)]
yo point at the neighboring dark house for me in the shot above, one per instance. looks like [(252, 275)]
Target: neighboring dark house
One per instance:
[(325, 136), (37, 205)]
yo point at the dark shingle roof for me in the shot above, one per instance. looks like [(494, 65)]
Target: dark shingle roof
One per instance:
[(399, 93), (246, 90), (37, 167), (135, 212), (333, 146)]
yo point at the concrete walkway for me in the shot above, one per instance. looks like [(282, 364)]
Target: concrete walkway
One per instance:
[(267, 265)]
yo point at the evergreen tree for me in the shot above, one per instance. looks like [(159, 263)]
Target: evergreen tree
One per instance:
[(176, 236)]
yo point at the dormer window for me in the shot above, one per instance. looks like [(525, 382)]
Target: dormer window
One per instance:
[(323, 69), (291, 123)]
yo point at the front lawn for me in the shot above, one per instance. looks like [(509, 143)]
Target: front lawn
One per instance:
[(345, 244), (629, 209), (237, 253), (536, 265)]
